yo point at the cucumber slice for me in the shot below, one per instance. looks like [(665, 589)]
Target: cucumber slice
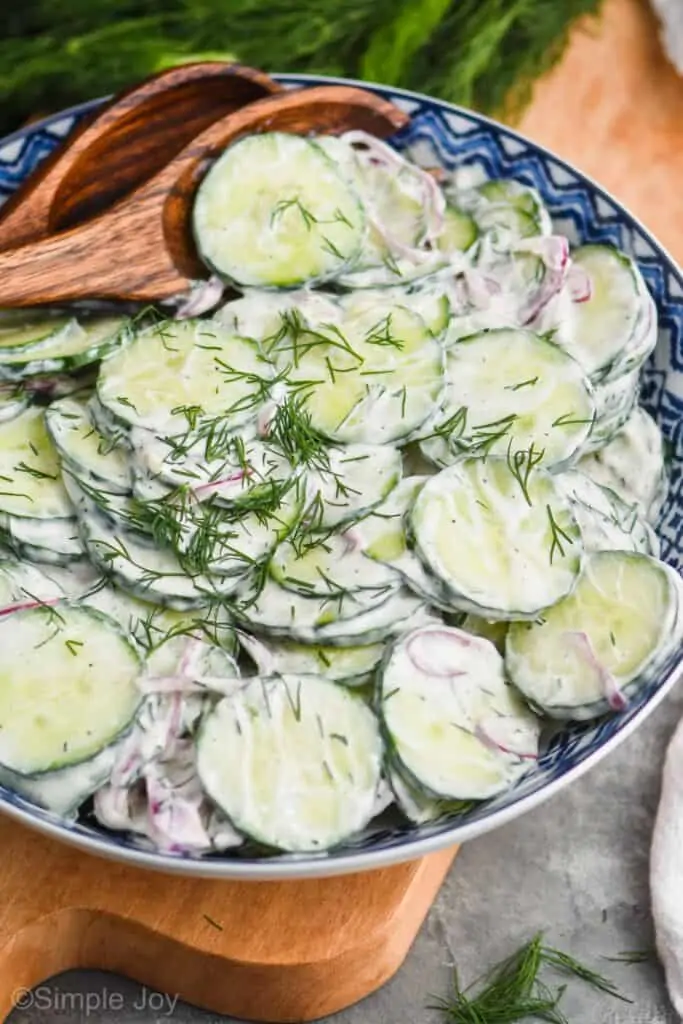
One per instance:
[(328, 565), (21, 327), (633, 464), (22, 583), (596, 648), (176, 655), (606, 522), (459, 232), (180, 373), (506, 224), (13, 401), (396, 196), (319, 789), (151, 574), (382, 533), (30, 483), (417, 805), (230, 542), (378, 375), (352, 666), (358, 478), (429, 299), (357, 618), (76, 344), (493, 631), (88, 455), (382, 537), (614, 400), (273, 212), (508, 192), (454, 724), (150, 625), (511, 387), (245, 465), (501, 538), (64, 791), (87, 699), (614, 329), (54, 541)]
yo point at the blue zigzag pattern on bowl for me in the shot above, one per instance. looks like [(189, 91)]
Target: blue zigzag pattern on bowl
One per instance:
[(444, 135)]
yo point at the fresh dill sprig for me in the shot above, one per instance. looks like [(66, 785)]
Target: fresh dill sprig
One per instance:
[(522, 463), (295, 203), (558, 535), (513, 990), (292, 431)]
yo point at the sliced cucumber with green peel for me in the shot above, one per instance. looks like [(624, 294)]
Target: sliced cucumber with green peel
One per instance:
[(285, 613), (613, 330), (22, 583), (75, 344), (377, 378), (245, 464), (353, 619), (180, 373), (488, 629), (633, 464), (88, 698), (352, 666), (615, 401), (319, 789), (30, 482), (230, 542), (54, 541), (394, 194), (452, 721), (606, 522), (274, 212), (150, 625), (357, 478), (24, 327), (415, 803), (593, 651), (13, 401), (151, 574), (511, 387), (64, 791), (88, 454), (382, 533), (501, 538), (459, 232), (383, 537), (328, 565)]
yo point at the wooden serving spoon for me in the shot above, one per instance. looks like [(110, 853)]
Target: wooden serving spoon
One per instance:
[(125, 144), (141, 248)]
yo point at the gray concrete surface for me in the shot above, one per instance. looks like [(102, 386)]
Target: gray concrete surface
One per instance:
[(575, 867)]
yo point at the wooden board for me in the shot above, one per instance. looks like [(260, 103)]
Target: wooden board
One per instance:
[(614, 109), (275, 951), (301, 950)]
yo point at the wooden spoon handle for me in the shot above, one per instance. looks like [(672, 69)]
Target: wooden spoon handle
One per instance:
[(125, 144), (141, 249)]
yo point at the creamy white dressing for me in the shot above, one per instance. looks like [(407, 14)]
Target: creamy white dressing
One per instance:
[(501, 562)]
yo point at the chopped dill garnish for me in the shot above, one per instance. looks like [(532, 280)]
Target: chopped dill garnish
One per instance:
[(522, 463), (558, 535), (513, 990)]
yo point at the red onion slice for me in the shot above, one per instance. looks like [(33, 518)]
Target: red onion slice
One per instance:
[(615, 698)]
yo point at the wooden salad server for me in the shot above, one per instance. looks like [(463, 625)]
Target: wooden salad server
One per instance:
[(124, 144), (141, 248)]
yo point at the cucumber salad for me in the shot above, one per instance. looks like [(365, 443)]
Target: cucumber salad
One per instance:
[(339, 535)]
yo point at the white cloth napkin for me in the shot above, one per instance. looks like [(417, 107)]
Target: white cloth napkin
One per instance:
[(666, 871), (670, 14)]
